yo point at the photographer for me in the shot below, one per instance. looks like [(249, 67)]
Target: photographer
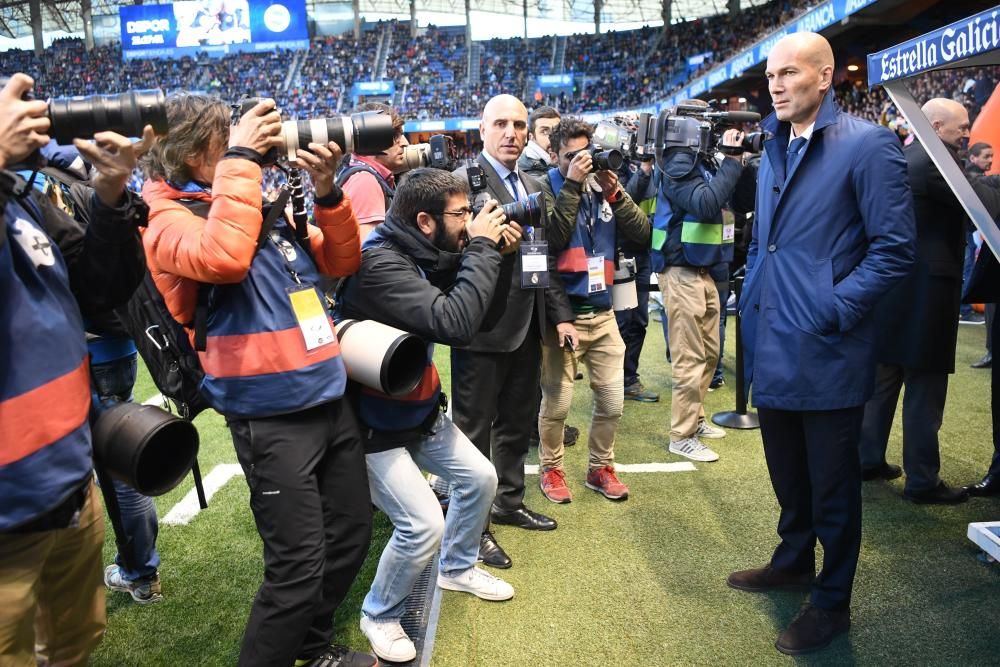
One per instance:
[(601, 215), (369, 181), (271, 359), (432, 270), (52, 272), (693, 193)]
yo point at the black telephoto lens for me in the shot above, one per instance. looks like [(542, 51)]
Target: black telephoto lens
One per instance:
[(527, 213), (373, 132), (126, 113), (611, 160), (754, 142)]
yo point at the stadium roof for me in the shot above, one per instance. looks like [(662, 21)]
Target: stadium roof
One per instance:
[(66, 15)]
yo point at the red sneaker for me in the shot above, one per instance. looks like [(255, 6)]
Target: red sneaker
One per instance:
[(553, 483), (605, 482)]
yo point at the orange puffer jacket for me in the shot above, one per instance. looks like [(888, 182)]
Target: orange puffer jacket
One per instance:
[(183, 249)]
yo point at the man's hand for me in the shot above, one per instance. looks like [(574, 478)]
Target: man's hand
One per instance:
[(512, 235), (489, 223), (23, 124), (580, 167), (259, 129), (646, 166), (568, 334), (733, 138), (114, 158), (321, 163), (608, 182)]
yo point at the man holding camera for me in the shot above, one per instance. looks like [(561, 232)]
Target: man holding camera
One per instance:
[(495, 377), (601, 215), (432, 270), (51, 271), (369, 181), (693, 193), (272, 363)]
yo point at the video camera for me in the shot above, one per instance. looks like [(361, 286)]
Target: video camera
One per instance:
[(527, 213), (367, 133), (439, 153)]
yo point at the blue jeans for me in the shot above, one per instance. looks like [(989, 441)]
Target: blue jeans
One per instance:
[(112, 383), (400, 490)]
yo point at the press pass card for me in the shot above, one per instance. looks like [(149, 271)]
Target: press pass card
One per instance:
[(534, 264), (311, 316)]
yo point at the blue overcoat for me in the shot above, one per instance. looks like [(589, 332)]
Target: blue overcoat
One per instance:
[(829, 240)]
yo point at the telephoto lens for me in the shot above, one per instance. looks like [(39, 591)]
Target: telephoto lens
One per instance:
[(611, 160), (527, 213), (368, 133), (416, 155), (125, 113), (754, 142)]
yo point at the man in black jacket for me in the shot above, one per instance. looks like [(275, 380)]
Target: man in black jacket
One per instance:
[(432, 270), (495, 378), (917, 324)]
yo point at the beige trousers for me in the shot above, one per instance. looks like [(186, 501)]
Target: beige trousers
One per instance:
[(691, 302), (602, 351)]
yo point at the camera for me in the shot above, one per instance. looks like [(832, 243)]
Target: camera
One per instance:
[(439, 153), (82, 117), (527, 213), (695, 127), (367, 133)]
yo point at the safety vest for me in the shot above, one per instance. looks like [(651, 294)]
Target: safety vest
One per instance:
[(45, 452), (382, 412), (593, 236), (684, 240)]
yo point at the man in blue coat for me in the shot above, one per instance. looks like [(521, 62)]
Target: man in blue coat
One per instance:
[(834, 231)]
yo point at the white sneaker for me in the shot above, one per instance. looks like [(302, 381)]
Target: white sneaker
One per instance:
[(480, 583), (388, 639), (693, 449), (706, 430)]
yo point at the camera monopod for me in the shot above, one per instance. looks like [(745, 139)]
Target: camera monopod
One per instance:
[(738, 418)]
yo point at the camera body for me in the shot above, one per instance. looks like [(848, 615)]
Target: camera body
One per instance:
[(692, 127), (367, 133), (527, 213), (438, 153)]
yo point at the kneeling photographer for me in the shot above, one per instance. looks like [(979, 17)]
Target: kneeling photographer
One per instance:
[(696, 251), (52, 273), (433, 270), (248, 298)]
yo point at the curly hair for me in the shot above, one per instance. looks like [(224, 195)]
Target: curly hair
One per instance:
[(569, 128), (198, 123)]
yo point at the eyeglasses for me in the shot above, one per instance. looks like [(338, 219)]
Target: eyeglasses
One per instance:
[(463, 212)]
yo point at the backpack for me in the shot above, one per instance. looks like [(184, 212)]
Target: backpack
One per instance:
[(349, 169), (163, 342)]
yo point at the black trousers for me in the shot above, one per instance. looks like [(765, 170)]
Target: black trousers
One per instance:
[(923, 412), (309, 495), (812, 457), (493, 403), (995, 401), (632, 323)]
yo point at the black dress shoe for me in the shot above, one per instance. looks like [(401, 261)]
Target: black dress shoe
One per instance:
[(522, 517), (942, 494), (763, 579), (814, 628), (885, 471), (491, 553), (987, 486), (985, 362)]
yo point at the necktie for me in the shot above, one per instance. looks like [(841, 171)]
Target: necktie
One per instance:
[(514, 185), (792, 157)]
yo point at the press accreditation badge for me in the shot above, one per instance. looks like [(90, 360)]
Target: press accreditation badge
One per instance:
[(534, 264), (728, 232), (311, 316), (595, 275)]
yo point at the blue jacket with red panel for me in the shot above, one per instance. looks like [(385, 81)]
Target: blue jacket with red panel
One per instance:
[(443, 297), (594, 233), (256, 360), (45, 447)]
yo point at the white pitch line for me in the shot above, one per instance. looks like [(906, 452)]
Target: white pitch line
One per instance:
[(182, 513), (681, 466)]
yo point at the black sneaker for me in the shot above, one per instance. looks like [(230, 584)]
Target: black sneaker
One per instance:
[(340, 656)]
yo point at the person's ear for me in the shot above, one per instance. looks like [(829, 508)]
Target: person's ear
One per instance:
[(426, 224)]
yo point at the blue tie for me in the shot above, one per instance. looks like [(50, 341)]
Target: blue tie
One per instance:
[(793, 155), (513, 180)]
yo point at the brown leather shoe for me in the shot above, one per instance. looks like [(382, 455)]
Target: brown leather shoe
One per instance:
[(814, 628), (761, 579)]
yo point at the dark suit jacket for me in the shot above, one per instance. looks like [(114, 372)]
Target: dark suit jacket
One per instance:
[(918, 318), (522, 304)]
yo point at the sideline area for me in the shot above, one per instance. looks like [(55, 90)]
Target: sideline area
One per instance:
[(635, 583)]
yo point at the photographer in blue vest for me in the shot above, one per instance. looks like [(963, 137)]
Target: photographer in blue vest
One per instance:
[(600, 216), (433, 270), (689, 207)]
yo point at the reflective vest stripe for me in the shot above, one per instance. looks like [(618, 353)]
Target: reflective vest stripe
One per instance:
[(44, 415), (700, 232), (243, 355)]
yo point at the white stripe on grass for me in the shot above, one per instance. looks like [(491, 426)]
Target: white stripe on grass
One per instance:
[(183, 512)]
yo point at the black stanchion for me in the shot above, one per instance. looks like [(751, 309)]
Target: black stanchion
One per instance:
[(738, 418)]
